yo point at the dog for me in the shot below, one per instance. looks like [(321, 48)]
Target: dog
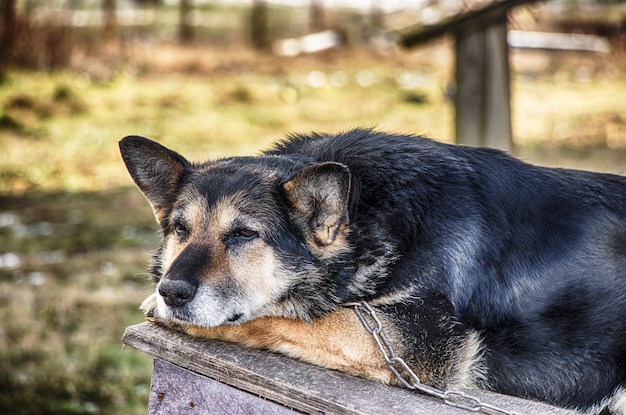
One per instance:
[(485, 271)]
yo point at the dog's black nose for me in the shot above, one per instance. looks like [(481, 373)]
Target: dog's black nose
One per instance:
[(176, 293)]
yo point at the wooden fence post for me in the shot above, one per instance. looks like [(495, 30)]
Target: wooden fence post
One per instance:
[(482, 100)]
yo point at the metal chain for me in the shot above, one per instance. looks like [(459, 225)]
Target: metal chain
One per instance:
[(407, 377)]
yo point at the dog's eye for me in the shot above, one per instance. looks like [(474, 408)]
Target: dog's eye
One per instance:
[(180, 229), (243, 234), (246, 233)]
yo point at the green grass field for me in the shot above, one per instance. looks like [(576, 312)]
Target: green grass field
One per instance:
[(75, 236)]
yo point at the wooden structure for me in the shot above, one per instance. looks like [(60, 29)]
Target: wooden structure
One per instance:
[(203, 377), (482, 99)]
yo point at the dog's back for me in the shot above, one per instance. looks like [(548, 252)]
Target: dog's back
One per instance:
[(533, 258)]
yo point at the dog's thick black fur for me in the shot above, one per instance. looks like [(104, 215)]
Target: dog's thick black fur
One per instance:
[(532, 259)]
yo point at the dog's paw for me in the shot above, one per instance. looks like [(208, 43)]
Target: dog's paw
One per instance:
[(149, 308), (151, 312)]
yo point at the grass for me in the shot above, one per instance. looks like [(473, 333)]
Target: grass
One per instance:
[(75, 236), (72, 286), (230, 110), (221, 114)]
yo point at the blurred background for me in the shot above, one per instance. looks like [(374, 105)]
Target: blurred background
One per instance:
[(219, 78)]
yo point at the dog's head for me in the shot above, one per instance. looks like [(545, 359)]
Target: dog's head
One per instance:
[(243, 237)]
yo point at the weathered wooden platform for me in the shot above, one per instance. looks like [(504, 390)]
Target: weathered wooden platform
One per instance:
[(210, 377)]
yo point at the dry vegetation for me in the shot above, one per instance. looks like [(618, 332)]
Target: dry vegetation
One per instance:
[(75, 236)]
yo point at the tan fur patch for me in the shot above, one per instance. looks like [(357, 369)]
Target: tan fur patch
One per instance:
[(223, 214), (399, 296), (171, 249), (253, 269), (470, 371), (207, 228), (337, 341), (194, 215)]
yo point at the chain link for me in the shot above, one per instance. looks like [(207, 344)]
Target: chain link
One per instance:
[(407, 377)]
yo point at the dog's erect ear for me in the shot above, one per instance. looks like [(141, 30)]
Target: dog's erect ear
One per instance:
[(319, 197), (156, 170)]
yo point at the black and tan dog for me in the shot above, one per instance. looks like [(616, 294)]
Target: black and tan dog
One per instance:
[(485, 271)]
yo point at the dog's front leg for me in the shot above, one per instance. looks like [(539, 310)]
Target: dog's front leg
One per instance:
[(151, 312), (336, 341), (149, 308)]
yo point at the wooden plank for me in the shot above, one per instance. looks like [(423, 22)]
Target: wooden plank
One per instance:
[(298, 385), (175, 390), (417, 34)]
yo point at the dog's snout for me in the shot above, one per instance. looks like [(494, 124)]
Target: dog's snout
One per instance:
[(180, 283), (176, 293)]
